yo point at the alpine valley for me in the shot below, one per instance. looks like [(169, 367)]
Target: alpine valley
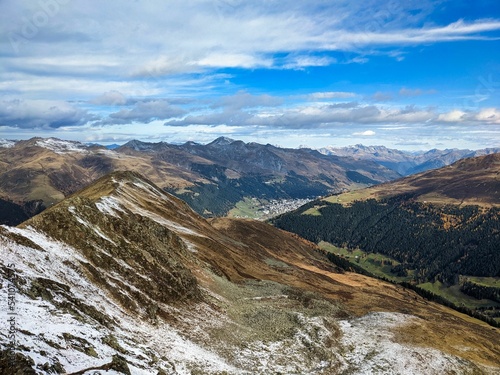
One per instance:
[(124, 278), (224, 177), (212, 178), (437, 232)]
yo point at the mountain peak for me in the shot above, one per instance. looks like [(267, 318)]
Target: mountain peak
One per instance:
[(122, 217), (60, 146), (7, 143), (137, 145), (221, 141)]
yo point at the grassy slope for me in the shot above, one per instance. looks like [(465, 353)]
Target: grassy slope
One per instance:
[(252, 265), (371, 262), (467, 182), (453, 294)]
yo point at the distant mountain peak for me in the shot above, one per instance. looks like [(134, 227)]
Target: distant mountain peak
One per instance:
[(405, 162), (222, 141), (138, 145)]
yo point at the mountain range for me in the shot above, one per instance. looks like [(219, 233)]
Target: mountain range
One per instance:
[(122, 277), (211, 178), (406, 163)]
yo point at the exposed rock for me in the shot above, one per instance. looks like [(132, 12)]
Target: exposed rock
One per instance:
[(15, 363)]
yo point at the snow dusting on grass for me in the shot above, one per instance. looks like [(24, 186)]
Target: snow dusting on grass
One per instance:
[(88, 225), (371, 349), (46, 332)]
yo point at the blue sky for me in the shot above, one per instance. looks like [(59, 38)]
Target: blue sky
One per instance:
[(410, 74)]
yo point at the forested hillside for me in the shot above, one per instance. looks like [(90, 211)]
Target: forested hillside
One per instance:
[(435, 242)]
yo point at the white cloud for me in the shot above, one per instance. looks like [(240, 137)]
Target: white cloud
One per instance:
[(302, 62), (366, 133), (489, 115), (347, 40), (461, 27), (113, 97), (331, 95), (233, 60), (331, 115), (453, 116), (146, 112)]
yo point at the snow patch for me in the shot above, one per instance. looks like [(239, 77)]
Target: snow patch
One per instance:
[(109, 206), (371, 348), (5, 143), (179, 229), (110, 153), (149, 188), (294, 355)]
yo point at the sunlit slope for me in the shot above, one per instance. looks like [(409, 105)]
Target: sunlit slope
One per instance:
[(122, 275), (473, 181)]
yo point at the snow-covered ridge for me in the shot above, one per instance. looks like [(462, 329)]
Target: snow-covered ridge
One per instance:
[(60, 146), (109, 206), (144, 343)]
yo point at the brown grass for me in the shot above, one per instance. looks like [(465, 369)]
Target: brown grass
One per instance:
[(438, 327), (253, 257)]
